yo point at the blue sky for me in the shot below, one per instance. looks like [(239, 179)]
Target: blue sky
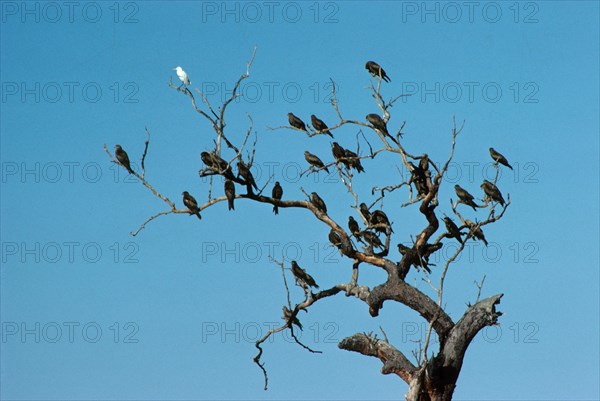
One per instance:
[(90, 312)]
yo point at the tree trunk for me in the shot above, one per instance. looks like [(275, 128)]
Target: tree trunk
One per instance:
[(436, 379)]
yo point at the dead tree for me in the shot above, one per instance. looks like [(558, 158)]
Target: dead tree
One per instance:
[(430, 376)]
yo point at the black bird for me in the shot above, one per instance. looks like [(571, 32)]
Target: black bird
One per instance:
[(246, 174), (353, 160), (364, 210), (353, 226), (465, 197), (207, 159), (123, 158), (287, 315), (302, 276), (377, 122), (380, 221), (317, 202), (216, 163), (376, 70), (372, 239), (477, 231), (419, 179), (452, 229), (314, 161), (498, 158), (335, 238), (320, 125), (296, 122), (414, 258), (277, 193), (230, 193), (190, 202), (339, 154), (492, 191)]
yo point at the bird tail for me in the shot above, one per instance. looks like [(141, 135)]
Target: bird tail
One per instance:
[(230, 203), (329, 133), (198, 214), (386, 78), (275, 209)]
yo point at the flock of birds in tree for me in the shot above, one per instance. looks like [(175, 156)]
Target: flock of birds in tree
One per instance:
[(377, 221)]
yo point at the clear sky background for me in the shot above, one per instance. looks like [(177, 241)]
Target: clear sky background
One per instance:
[(90, 312)]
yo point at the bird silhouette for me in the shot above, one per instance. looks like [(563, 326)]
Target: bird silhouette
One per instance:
[(230, 193), (123, 158), (492, 191), (317, 202), (190, 202), (314, 161), (296, 122), (305, 280), (377, 122), (319, 125), (452, 229), (499, 158), (277, 193), (246, 174), (376, 71), (477, 231), (465, 197)]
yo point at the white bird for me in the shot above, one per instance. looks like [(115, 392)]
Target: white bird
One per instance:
[(183, 77)]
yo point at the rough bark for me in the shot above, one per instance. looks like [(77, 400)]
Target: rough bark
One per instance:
[(435, 379)]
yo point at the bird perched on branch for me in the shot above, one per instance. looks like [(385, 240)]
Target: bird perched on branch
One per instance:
[(277, 193), (419, 257), (465, 197), (296, 122), (377, 122), (353, 160), (499, 158), (319, 125), (317, 202), (452, 229), (216, 163), (190, 202), (380, 221), (314, 161), (477, 231), (372, 239), (302, 277), (287, 315), (246, 174), (335, 239), (183, 77), (376, 71), (492, 191), (230, 193), (364, 210), (419, 179), (339, 154), (413, 257), (123, 158), (353, 226)]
